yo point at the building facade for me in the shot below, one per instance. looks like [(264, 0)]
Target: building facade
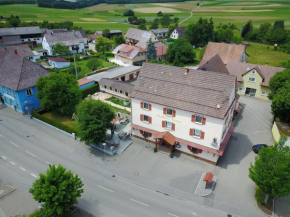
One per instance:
[(178, 32), (127, 55), (58, 63)]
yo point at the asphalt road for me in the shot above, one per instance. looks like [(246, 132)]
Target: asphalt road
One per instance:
[(25, 152)]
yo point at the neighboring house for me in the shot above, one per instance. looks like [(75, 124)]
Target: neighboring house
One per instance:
[(74, 40), (189, 111), (253, 79), (160, 33), (127, 55), (178, 32), (118, 88), (127, 73), (93, 38), (22, 50), (161, 51), (11, 40), (111, 34), (227, 52), (42, 52), (139, 38), (31, 35), (18, 78), (58, 62), (214, 64), (85, 83)]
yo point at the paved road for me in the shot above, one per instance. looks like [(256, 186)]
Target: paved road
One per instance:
[(27, 151)]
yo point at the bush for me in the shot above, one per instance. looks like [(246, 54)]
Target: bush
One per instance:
[(54, 123), (90, 90)]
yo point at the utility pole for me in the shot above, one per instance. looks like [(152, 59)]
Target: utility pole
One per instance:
[(75, 65)]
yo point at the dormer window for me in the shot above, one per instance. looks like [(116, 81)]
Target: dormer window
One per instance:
[(253, 72)]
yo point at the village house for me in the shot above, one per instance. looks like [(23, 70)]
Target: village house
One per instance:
[(58, 62), (22, 50), (11, 40), (74, 40), (178, 32), (184, 110), (139, 38), (85, 83), (18, 77), (117, 88), (160, 33), (111, 34), (227, 52)]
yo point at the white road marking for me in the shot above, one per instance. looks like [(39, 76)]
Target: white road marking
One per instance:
[(194, 213), (12, 163), (139, 202), (105, 189), (22, 169), (4, 158), (172, 214), (264, 131), (13, 144), (30, 153), (1, 135), (33, 175)]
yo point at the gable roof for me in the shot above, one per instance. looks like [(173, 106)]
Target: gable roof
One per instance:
[(11, 40), (20, 31), (214, 64), (138, 34), (266, 72), (58, 59), (21, 50), (227, 52), (119, 85), (180, 31), (18, 73), (66, 37), (158, 31), (196, 91), (84, 81), (128, 51)]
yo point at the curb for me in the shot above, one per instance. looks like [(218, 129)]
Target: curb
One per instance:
[(13, 189), (261, 210)]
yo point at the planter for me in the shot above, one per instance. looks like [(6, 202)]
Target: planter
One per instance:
[(171, 155), (126, 103), (155, 150)]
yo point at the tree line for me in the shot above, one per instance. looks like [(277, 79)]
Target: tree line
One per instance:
[(9, 2)]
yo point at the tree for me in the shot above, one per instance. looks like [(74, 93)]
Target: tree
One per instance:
[(118, 39), (106, 33), (103, 44), (224, 35), (271, 171), (247, 28), (176, 19), (94, 119), (170, 30), (151, 50), (58, 190), (13, 21), (263, 29), (160, 14), (94, 63), (278, 81), (165, 20), (279, 24), (128, 13), (142, 26), (60, 49), (58, 92), (281, 102), (277, 35), (180, 52), (154, 25)]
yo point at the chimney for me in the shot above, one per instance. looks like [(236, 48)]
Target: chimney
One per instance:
[(51, 33), (15, 51), (186, 71)]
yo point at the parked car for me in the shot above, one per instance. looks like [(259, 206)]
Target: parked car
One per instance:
[(258, 147)]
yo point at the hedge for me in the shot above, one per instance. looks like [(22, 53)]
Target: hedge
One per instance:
[(90, 90), (53, 122)]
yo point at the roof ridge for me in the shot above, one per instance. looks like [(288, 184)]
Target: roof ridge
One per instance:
[(20, 73)]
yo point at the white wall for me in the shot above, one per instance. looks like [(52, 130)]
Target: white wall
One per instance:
[(113, 92), (38, 40), (174, 35), (213, 127)]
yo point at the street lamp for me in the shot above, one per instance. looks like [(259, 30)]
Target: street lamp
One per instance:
[(40, 207)]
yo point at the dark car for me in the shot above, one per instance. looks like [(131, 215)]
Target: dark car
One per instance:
[(258, 147)]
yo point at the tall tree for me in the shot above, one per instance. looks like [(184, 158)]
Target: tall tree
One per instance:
[(103, 44), (224, 35), (263, 29), (128, 13), (58, 190), (281, 102), (151, 51), (13, 21), (118, 39), (94, 119), (247, 28), (94, 63), (154, 25), (180, 52), (278, 81), (60, 49), (59, 92), (142, 26), (271, 171), (165, 20), (277, 35), (279, 24), (106, 33)]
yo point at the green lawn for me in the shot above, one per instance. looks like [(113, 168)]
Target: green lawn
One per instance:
[(118, 101)]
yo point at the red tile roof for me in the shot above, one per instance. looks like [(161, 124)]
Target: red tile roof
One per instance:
[(58, 59), (215, 64), (84, 81)]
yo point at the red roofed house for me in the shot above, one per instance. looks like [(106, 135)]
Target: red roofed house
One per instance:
[(127, 55), (85, 83), (58, 62)]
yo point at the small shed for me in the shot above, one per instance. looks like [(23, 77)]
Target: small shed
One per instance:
[(58, 62), (85, 83)]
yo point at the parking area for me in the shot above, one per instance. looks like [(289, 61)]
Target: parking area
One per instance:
[(234, 187)]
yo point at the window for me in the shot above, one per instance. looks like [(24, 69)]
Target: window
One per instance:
[(126, 94), (116, 90), (263, 92), (169, 111), (121, 91), (29, 92), (146, 105), (28, 39), (196, 132), (168, 124), (198, 119), (105, 87), (146, 118), (214, 142), (111, 88), (7, 91), (13, 92), (145, 134), (252, 79), (240, 87), (253, 72)]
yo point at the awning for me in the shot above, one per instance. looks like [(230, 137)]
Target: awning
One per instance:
[(167, 137)]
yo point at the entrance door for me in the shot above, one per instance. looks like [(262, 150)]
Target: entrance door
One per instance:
[(251, 92)]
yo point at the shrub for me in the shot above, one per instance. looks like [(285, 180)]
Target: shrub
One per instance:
[(90, 90)]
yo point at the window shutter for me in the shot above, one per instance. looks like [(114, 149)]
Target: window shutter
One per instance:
[(203, 120), (173, 113), (202, 135), (141, 131), (150, 120), (141, 117), (149, 134), (150, 107), (173, 126), (189, 148), (191, 132), (141, 104), (163, 123), (164, 111), (199, 151), (193, 118)]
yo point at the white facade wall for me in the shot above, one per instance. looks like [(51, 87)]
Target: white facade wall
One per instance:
[(174, 35), (113, 92), (38, 40)]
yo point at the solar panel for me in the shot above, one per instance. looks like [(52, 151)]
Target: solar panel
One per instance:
[(146, 35), (133, 54), (116, 49)]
